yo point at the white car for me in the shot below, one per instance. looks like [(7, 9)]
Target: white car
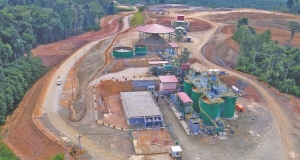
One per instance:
[(58, 82)]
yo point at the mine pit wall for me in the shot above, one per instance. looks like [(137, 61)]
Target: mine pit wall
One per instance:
[(141, 85)]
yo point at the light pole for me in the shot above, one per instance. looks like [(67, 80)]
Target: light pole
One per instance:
[(79, 143)]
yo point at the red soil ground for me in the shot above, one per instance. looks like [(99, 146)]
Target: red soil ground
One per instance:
[(23, 132), (280, 35), (54, 53), (110, 93), (233, 81), (198, 25), (234, 16)]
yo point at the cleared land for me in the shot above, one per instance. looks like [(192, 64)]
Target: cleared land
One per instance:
[(258, 128)]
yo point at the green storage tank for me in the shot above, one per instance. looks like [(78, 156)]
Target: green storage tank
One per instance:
[(211, 110), (187, 87), (122, 52), (228, 111), (195, 97), (140, 50)]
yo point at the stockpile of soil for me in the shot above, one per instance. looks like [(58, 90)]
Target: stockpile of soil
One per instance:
[(112, 87), (198, 25), (164, 22)]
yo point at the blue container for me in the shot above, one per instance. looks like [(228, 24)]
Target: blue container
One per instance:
[(213, 77), (188, 39), (195, 127)]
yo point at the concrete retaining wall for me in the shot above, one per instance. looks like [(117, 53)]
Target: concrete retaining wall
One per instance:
[(139, 85)]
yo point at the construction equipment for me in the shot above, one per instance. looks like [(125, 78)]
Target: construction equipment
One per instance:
[(239, 107)]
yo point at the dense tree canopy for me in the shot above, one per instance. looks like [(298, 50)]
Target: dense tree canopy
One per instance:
[(272, 63), (260, 4), (26, 23)]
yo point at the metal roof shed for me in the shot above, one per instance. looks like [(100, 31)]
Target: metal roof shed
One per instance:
[(168, 83), (184, 97), (168, 79), (141, 108)]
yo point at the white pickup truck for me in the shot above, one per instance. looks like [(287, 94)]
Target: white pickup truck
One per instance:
[(58, 81)]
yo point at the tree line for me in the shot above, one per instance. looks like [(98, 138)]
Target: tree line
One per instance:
[(15, 79), (259, 4), (24, 24), (277, 65)]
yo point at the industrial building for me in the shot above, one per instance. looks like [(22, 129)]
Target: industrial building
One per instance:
[(141, 109), (180, 22), (168, 83), (212, 99)]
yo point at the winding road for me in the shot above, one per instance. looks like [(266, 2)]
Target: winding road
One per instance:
[(51, 102), (278, 115), (51, 105)]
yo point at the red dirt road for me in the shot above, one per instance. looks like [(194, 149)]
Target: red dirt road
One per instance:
[(23, 132), (54, 53)]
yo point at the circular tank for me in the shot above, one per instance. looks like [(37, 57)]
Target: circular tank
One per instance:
[(187, 87), (195, 95), (208, 110), (140, 50), (228, 111), (122, 52)]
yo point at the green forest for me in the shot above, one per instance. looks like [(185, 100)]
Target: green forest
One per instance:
[(24, 24), (277, 65), (260, 4)]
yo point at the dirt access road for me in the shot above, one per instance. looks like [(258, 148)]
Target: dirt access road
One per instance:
[(280, 119), (51, 107)]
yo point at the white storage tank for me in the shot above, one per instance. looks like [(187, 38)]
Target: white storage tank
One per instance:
[(236, 90)]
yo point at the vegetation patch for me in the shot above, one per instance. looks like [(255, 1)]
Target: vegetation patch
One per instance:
[(58, 157), (137, 18), (6, 153), (125, 9), (260, 56)]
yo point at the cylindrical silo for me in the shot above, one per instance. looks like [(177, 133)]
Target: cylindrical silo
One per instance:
[(140, 50), (122, 52), (228, 111), (208, 110), (195, 95), (187, 87)]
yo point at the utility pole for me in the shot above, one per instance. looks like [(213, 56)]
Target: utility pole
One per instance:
[(66, 153), (79, 143), (72, 89)]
